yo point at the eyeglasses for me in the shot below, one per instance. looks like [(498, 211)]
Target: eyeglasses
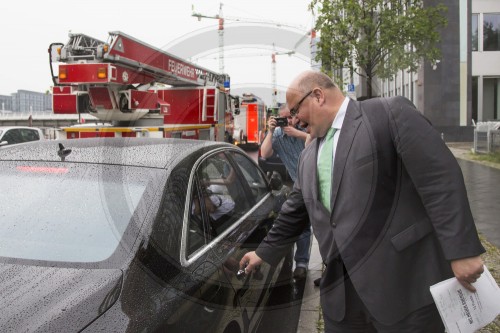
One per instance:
[(295, 110)]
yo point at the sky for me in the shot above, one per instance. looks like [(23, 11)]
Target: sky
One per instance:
[(28, 27)]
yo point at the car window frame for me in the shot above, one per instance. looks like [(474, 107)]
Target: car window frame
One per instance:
[(204, 219), (187, 260)]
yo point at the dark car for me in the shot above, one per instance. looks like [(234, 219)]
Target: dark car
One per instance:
[(132, 235)]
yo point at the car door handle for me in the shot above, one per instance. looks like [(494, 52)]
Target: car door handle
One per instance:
[(257, 275), (240, 275)]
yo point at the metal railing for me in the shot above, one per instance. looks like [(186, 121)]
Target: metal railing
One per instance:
[(487, 137)]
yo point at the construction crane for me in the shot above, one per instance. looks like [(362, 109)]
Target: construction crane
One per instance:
[(273, 73), (221, 19), (221, 32)]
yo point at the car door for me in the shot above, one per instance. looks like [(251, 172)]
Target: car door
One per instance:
[(253, 290), (231, 211), (212, 214)]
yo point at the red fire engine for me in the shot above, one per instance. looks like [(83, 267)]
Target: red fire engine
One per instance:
[(250, 123), (135, 89)]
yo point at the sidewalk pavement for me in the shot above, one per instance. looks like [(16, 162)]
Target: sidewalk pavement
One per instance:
[(310, 310), (310, 313)]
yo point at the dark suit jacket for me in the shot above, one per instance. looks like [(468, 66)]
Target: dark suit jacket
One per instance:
[(400, 211)]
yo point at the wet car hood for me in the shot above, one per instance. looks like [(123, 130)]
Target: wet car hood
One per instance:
[(35, 298)]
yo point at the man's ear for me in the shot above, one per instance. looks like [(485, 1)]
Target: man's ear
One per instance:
[(319, 95)]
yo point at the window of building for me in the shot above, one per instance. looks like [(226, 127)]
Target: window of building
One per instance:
[(491, 32), (474, 98), (474, 30), (491, 94)]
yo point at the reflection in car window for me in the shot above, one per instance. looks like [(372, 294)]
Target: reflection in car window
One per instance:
[(217, 201), (198, 231), (66, 212), (253, 176)]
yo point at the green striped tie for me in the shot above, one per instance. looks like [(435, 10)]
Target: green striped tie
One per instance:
[(325, 169)]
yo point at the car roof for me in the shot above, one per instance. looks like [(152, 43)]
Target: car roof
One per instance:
[(146, 152), (9, 127)]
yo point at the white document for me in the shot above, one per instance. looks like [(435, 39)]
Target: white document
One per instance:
[(463, 311)]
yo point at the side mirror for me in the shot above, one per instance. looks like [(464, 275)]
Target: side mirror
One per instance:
[(275, 181), (3, 143)]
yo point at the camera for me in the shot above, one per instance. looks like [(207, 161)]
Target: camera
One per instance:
[(281, 121)]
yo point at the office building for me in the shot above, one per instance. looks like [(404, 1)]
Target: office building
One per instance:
[(31, 101)]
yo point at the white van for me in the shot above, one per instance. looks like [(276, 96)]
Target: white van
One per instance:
[(10, 135)]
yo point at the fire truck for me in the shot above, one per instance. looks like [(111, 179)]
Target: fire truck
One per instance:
[(250, 123), (134, 89)]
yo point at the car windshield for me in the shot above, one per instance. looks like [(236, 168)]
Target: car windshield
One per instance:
[(65, 212)]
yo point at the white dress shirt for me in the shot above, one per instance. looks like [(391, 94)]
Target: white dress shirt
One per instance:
[(337, 123)]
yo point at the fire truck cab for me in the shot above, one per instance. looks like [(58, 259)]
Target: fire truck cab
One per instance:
[(134, 89), (250, 123)]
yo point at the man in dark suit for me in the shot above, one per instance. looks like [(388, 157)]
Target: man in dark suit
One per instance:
[(391, 216)]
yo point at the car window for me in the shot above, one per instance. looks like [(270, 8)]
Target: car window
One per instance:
[(252, 174), (66, 212), (13, 136), (29, 135), (218, 200)]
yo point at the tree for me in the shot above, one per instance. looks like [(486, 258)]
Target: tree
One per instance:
[(376, 38)]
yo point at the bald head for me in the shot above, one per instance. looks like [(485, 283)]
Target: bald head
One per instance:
[(315, 100), (309, 80)]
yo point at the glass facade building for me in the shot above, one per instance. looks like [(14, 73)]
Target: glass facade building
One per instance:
[(5, 103), (30, 101), (485, 31)]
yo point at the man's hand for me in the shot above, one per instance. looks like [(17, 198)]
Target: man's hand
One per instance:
[(292, 131), (250, 262), (272, 124), (467, 271)]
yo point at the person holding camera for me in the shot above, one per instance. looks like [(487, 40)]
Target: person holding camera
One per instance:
[(287, 139)]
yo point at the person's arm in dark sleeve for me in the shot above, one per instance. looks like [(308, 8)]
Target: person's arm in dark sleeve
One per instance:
[(287, 227)]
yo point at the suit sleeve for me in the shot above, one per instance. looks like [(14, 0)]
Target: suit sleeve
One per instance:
[(287, 227), (438, 179)]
